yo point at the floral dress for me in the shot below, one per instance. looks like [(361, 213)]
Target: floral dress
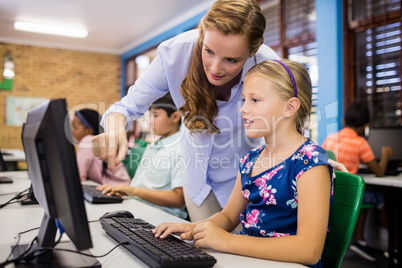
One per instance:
[(272, 211)]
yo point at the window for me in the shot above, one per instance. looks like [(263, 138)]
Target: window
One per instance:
[(291, 35), (374, 30)]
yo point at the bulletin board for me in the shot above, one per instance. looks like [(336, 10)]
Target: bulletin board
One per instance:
[(18, 107)]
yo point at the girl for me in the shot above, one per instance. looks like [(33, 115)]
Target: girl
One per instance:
[(84, 125), (283, 189)]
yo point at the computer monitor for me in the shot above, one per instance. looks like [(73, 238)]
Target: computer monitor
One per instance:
[(379, 137), (54, 175)]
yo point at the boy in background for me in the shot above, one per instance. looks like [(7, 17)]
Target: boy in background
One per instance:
[(158, 179), (351, 148)]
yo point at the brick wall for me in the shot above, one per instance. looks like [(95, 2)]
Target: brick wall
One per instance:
[(85, 79)]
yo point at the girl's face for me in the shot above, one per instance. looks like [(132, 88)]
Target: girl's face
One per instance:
[(162, 124), (263, 108), (78, 129), (223, 56)]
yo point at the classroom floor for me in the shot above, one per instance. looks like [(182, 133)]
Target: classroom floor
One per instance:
[(352, 260)]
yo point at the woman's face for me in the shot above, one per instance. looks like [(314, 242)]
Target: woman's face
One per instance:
[(223, 56)]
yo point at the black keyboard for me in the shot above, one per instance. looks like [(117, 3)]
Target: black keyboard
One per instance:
[(97, 197), (155, 252)]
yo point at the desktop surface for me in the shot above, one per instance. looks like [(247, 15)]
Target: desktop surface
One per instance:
[(16, 218)]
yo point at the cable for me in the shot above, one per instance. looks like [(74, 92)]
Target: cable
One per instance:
[(17, 196), (41, 251)]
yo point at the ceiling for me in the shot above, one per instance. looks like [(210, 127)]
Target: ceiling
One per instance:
[(114, 26)]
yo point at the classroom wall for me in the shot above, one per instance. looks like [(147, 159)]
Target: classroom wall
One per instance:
[(85, 79)]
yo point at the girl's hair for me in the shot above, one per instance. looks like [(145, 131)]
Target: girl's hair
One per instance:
[(91, 119), (278, 75), (239, 17)]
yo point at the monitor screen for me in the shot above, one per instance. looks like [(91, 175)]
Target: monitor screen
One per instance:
[(54, 175), (379, 137)]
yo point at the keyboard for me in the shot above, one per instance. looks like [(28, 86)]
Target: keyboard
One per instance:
[(97, 197), (155, 252)]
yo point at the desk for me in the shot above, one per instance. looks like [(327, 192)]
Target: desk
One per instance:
[(16, 218), (11, 157), (393, 185)]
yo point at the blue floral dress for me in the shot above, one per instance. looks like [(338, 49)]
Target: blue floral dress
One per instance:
[(272, 211)]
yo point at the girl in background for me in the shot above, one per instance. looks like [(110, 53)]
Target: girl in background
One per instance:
[(283, 189), (84, 126)]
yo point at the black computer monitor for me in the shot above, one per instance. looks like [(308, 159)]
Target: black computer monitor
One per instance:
[(54, 175), (379, 137)]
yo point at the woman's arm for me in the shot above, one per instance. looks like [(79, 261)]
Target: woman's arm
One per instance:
[(305, 247)]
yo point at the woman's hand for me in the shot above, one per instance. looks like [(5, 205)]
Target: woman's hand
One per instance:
[(338, 166), (111, 146), (185, 230)]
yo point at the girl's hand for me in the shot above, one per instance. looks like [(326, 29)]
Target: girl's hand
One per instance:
[(185, 230), (208, 234)]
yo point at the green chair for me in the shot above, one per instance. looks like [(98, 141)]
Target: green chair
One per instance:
[(348, 195), (331, 155), (133, 158)]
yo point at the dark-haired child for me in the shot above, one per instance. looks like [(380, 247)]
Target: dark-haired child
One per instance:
[(84, 126), (351, 149)]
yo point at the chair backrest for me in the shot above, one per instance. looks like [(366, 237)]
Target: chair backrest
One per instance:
[(331, 155), (348, 194), (132, 160)]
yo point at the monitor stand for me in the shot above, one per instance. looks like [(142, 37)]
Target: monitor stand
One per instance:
[(53, 258), (59, 258), (30, 199)]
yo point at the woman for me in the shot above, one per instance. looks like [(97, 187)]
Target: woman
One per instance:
[(204, 71)]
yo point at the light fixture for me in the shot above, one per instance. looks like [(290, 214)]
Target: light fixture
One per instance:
[(50, 29)]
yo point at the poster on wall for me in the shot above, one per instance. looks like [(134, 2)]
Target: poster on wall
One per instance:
[(18, 107)]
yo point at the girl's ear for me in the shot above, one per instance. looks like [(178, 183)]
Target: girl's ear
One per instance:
[(89, 131), (291, 107)]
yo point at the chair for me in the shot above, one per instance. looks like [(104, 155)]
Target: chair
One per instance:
[(331, 155), (133, 158), (348, 195)]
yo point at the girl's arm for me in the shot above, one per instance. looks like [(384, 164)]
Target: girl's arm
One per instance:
[(305, 247), (227, 219)]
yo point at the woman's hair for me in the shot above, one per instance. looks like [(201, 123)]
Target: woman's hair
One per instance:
[(279, 76), (91, 119), (239, 17)]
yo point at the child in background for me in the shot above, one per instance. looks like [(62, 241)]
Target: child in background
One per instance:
[(283, 190), (158, 179), (84, 126), (351, 148)]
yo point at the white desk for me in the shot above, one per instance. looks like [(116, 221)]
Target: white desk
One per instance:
[(393, 187), (16, 218), (11, 157)]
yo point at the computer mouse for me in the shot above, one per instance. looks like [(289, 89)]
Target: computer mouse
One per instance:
[(118, 213)]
